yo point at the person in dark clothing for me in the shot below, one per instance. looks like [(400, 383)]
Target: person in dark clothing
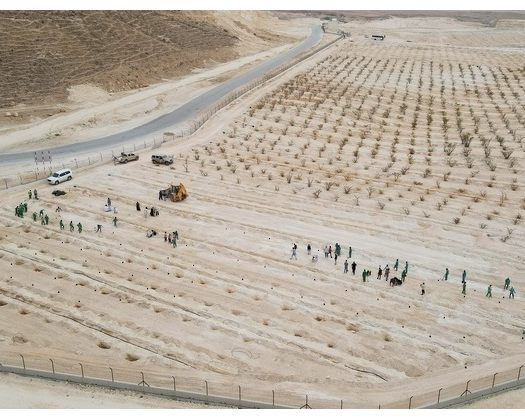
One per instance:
[(379, 273), (137, 205), (354, 265), (346, 267), (308, 249)]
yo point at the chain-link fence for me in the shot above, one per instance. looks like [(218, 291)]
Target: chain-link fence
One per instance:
[(463, 392), (164, 384), (192, 126), (233, 395)]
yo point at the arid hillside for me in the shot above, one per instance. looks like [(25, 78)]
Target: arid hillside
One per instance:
[(43, 53)]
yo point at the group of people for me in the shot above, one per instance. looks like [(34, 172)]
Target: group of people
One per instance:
[(335, 252), (21, 209), (171, 238), (32, 194)]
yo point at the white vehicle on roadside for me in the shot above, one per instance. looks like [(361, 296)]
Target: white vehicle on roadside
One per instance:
[(60, 176)]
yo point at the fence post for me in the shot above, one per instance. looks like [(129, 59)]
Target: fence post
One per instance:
[(494, 379), (81, 369), (467, 391), (239, 393), (100, 156), (410, 402), (341, 404), (5, 180), (519, 372), (439, 395), (273, 398), (52, 365), (174, 386), (112, 377), (89, 161), (23, 361)]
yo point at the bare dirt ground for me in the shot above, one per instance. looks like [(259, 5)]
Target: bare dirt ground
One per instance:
[(509, 400), (86, 58), (17, 392), (408, 150)]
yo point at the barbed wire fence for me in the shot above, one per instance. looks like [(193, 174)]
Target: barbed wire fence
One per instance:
[(107, 156)]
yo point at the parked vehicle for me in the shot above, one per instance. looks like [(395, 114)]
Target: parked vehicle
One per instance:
[(60, 176), (162, 159), (125, 158)]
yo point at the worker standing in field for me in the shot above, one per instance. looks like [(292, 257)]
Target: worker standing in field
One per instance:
[(330, 250), (29, 194), (35, 215), (422, 288), (489, 291), (406, 266), (46, 219), (445, 277), (403, 275), (354, 265), (464, 276), (99, 228), (507, 283), (350, 252), (165, 236), (512, 291), (464, 290), (61, 224), (25, 206), (115, 221), (71, 227), (379, 272), (35, 194), (174, 240), (346, 267), (396, 265), (308, 249), (294, 252), (326, 251), (137, 206), (387, 272), (364, 275), (79, 225)]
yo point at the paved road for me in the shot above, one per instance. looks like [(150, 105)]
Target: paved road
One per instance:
[(184, 113)]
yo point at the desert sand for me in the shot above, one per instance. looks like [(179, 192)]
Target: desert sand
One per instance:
[(408, 150)]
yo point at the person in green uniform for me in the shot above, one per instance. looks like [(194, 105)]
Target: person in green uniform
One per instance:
[(71, 226), (115, 221), (30, 193), (35, 215), (396, 265), (46, 219), (512, 291), (446, 275), (79, 225), (489, 291), (350, 252), (464, 290), (464, 276), (507, 284), (364, 275), (61, 225)]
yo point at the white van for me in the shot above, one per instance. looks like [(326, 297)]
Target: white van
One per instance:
[(60, 176)]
